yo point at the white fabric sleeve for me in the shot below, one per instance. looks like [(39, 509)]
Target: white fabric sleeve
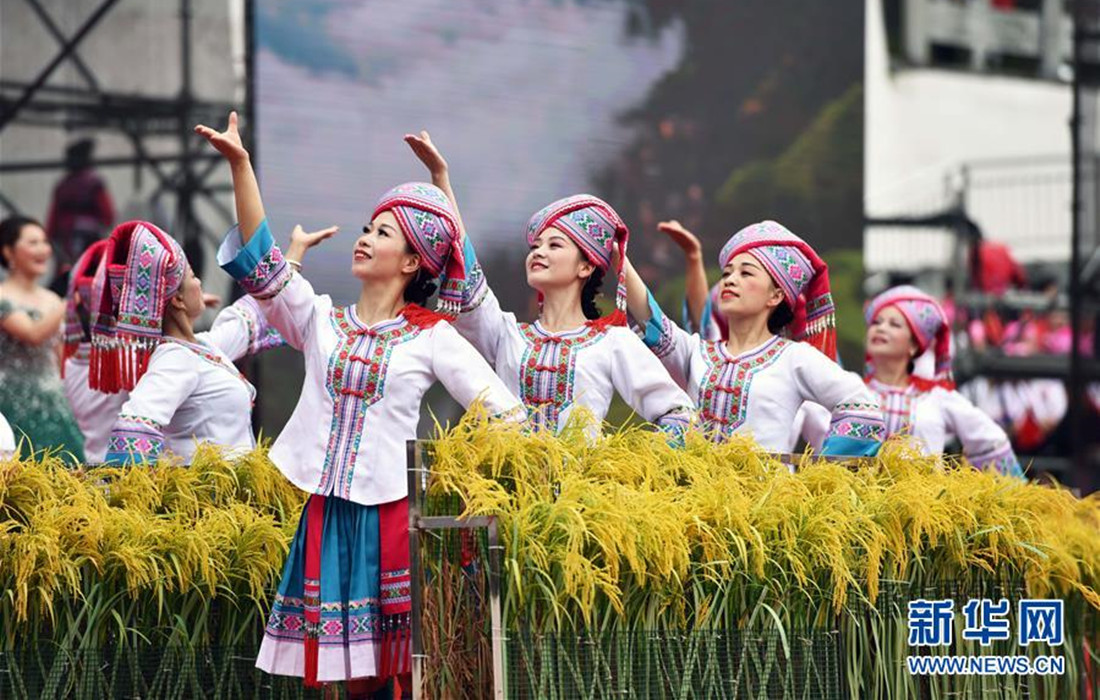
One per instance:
[(468, 377), (138, 432), (644, 383)]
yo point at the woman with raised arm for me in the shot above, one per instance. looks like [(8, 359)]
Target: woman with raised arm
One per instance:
[(903, 323), (342, 608), (570, 356), (755, 380), (183, 386), (237, 330), (31, 394)]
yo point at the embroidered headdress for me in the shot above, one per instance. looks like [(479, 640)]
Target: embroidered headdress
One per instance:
[(78, 301), (927, 322), (799, 272), (142, 268), (597, 229), (429, 223)]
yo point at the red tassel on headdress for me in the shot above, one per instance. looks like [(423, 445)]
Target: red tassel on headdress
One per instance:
[(814, 314)]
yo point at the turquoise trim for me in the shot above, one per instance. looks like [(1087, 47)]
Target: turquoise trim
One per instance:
[(843, 446), (654, 327), (469, 256), (240, 260), (124, 459)]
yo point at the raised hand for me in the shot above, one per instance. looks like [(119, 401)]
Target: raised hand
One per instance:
[(436, 164), (687, 240), (301, 238), (428, 154), (211, 301), (227, 142)]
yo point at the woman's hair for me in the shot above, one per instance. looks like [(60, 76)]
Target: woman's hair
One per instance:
[(420, 288), (10, 228), (780, 317), (589, 292)]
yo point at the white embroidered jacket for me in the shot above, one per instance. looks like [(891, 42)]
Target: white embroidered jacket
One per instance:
[(191, 393), (555, 372), (151, 424), (364, 385), (760, 391)]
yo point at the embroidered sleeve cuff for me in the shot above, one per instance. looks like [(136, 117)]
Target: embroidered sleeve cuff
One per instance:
[(1000, 459), (516, 414), (135, 440), (704, 320), (658, 329), (857, 430), (476, 289), (258, 265), (675, 425), (261, 336)]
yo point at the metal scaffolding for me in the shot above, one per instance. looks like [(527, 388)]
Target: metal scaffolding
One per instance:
[(184, 173)]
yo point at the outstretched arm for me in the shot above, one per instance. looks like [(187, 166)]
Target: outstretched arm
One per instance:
[(637, 295), (436, 164), (696, 288), (246, 190)]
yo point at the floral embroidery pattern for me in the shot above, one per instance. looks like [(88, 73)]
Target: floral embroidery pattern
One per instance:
[(897, 407), (724, 392), (1000, 459), (356, 380), (270, 275), (136, 436), (861, 420), (396, 587), (357, 621), (665, 344), (547, 371), (475, 289)]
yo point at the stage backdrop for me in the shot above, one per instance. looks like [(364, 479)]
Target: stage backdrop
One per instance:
[(715, 113)]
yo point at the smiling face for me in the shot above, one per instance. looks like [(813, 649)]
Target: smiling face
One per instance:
[(556, 262), (889, 336), (746, 289), (30, 253), (382, 252)]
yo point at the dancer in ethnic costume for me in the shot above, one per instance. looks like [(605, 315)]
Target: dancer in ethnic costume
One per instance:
[(342, 609), (238, 330), (902, 324), (755, 381), (183, 386), (569, 356), (95, 411)]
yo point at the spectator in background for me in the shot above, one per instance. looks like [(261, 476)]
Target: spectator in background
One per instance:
[(993, 267), (32, 398), (81, 211)]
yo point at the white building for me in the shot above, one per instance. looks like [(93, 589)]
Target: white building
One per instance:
[(924, 122)]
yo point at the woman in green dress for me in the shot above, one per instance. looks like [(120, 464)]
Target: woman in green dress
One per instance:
[(32, 398)]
